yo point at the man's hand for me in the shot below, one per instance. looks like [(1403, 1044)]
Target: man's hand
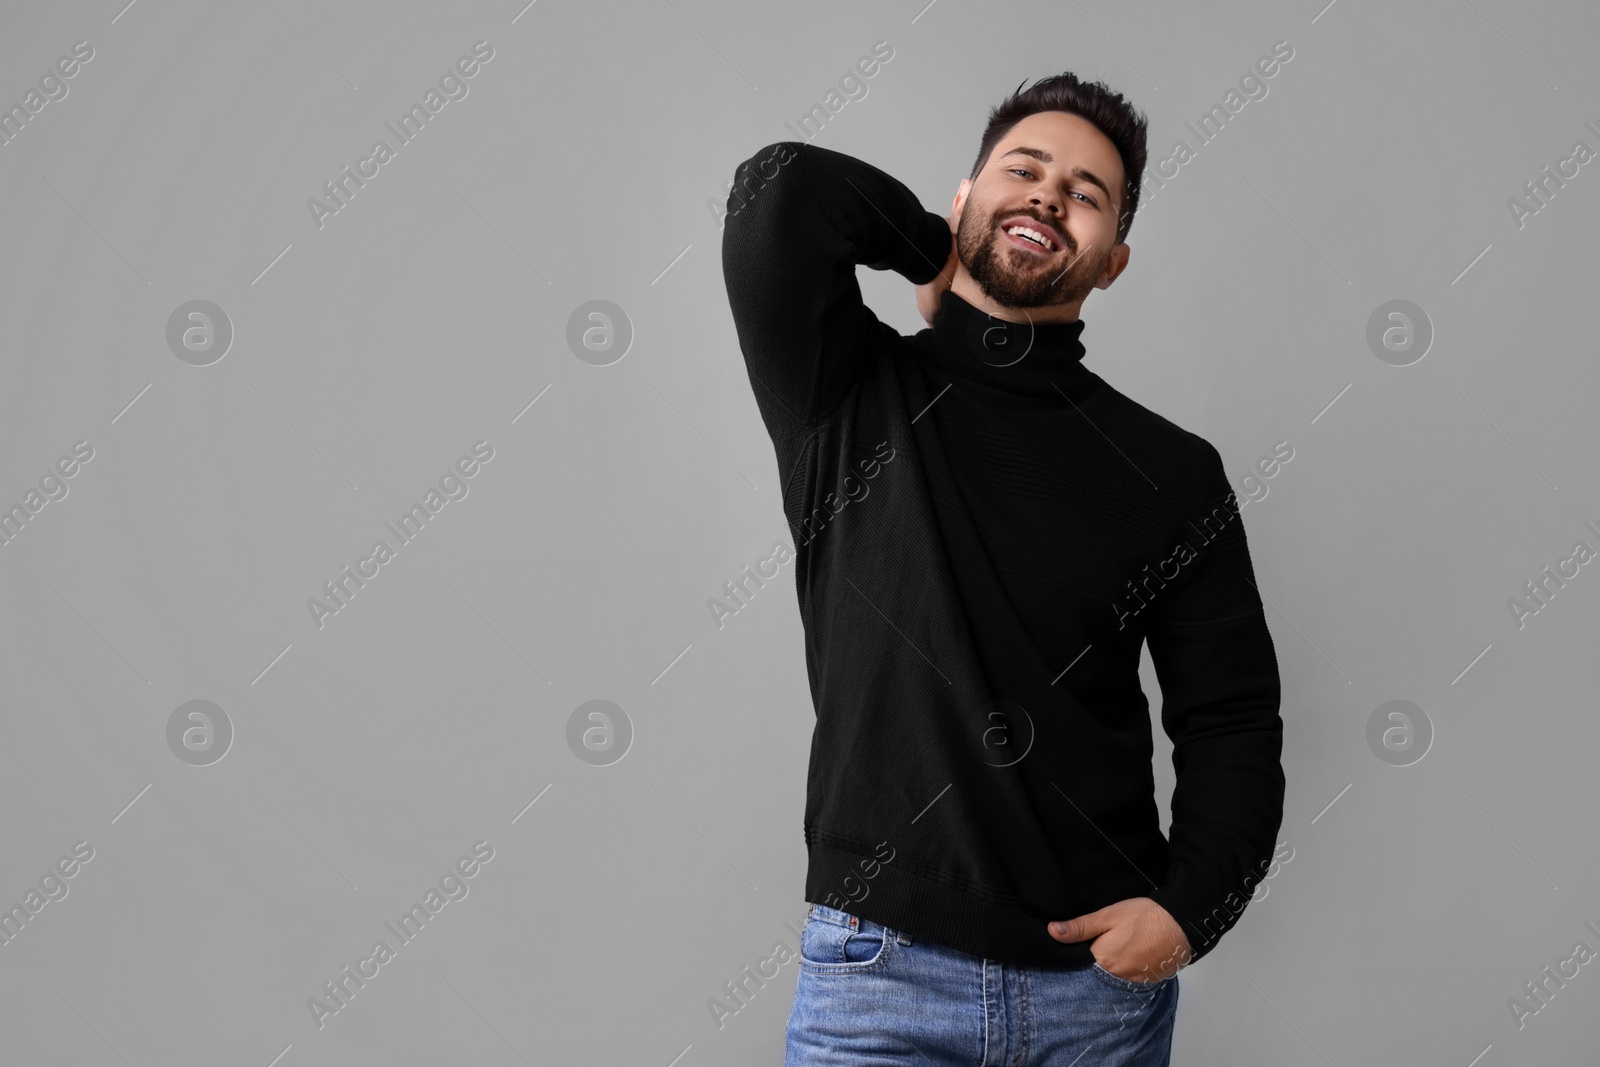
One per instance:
[(929, 293), (1136, 939)]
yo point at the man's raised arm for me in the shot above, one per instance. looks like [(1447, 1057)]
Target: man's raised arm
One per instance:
[(800, 218)]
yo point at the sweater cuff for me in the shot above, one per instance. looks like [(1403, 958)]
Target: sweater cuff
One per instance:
[(929, 249), (1198, 909)]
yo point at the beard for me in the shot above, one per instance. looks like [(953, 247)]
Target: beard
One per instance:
[(1020, 279)]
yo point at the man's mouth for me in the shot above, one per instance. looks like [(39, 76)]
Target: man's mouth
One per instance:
[(1033, 238)]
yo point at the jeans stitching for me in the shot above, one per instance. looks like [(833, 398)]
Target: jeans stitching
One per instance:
[(984, 967), (1128, 985), (1025, 1020)]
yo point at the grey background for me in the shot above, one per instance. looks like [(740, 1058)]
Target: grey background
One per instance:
[(370, 354)]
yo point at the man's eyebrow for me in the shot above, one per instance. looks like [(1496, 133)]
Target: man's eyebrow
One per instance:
[(1077, 172)]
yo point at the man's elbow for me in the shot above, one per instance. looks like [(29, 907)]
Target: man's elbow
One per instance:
[(751, 178)]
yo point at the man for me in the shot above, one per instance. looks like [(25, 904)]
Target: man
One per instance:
[(986, 533)]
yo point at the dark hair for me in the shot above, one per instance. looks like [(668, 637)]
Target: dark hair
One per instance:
[(1114, 116)]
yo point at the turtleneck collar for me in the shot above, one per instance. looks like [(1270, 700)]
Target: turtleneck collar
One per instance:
[(1032, 359)]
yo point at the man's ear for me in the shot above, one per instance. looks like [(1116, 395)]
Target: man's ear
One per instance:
[(1115, 265), (961, 198)]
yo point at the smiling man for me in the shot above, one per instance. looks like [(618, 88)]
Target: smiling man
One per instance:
[(988, 878)]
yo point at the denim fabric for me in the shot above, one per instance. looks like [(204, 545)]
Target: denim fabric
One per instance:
[(868, 994)]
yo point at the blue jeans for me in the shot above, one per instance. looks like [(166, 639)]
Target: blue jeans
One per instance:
[(871, 995)]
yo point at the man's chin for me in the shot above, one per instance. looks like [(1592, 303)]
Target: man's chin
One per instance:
[(1009, 302), (1014, 300)]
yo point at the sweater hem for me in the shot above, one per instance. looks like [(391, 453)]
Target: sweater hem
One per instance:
[(979, 920)]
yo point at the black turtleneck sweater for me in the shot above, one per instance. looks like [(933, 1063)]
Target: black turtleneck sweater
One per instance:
[(985, 533)]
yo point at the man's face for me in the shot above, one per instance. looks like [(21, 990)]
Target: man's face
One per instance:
[(1056, 174)]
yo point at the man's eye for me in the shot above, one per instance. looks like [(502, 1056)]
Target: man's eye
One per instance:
[(1026, 173)]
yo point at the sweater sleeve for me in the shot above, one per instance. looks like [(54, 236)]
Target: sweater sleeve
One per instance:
[(799, 220), (1218, 671)]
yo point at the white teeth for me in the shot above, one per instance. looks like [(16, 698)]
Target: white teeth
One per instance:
[(1033, 235)]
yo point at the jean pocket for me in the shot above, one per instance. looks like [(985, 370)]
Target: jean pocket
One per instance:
[(836, 942), (1127, 985)]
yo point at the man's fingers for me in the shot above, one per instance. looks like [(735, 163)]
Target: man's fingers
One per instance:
[(1082, 928)]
